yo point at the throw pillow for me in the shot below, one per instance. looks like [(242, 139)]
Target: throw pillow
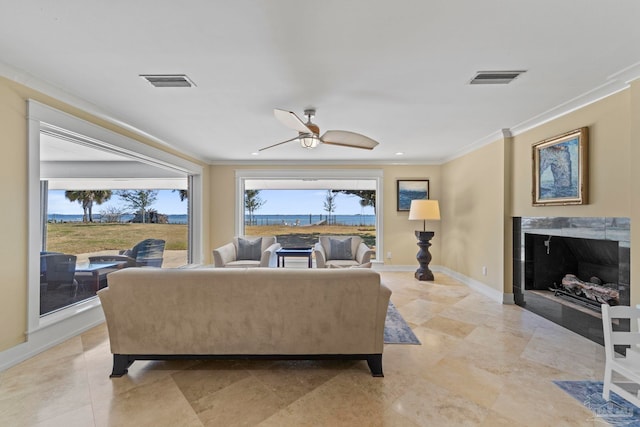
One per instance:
[(249, 250), (340, 249)]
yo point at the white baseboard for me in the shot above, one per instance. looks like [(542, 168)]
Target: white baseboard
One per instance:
[(53, 334), (501, 297), (486, 290)]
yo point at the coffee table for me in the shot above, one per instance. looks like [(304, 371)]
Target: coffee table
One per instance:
[(294, 252), (94, 273)]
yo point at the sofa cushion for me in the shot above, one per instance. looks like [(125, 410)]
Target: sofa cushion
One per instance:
[(249, 249), (340, 249)]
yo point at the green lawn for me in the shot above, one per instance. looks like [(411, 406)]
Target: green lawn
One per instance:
[(78, 238)]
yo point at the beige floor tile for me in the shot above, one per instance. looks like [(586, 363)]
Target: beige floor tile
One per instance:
[(465, 379), (449, 326), (157, 404), (79, 417), (428, 404), (337, 402), (243, 403)]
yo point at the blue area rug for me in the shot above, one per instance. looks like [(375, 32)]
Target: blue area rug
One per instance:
[(396, 330), (617, 412)]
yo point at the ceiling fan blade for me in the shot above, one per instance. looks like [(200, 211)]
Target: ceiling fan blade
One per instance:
[(290, 120), (348, 139), (280, 143)]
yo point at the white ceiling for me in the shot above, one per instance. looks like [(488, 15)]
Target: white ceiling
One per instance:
[(397, 72)]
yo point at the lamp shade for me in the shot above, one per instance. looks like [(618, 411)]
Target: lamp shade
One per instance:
[(424, 209)]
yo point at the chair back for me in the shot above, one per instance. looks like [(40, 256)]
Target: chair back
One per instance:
[(148, 252), (612, 337), (58, 268)]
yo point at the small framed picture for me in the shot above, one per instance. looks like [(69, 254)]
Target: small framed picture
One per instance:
[(411, 189), (560, 169)]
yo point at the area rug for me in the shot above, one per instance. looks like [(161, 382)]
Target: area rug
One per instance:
[(617, 412), (396, 330)]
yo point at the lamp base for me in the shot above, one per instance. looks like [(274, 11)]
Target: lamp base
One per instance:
[(424, 257)]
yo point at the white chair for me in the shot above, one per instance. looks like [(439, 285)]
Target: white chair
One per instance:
[(248, 251), (627, 366)]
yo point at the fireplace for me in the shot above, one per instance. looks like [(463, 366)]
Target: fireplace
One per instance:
[(590, 255)]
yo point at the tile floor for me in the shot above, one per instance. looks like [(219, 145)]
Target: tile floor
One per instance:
[(480, 364)]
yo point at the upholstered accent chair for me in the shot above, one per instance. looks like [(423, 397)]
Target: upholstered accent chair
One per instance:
[(147, 253), (248, 251), (342, 251)]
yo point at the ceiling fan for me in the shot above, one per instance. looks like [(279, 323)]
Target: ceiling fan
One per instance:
[(309, 133)]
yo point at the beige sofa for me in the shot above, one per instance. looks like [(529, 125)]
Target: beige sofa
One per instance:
[(206, 313)]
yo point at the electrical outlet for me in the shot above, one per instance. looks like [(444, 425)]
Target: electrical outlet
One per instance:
[(389, 255), (484, 270)]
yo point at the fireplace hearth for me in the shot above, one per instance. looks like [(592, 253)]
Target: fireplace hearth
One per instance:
[(564, 268)]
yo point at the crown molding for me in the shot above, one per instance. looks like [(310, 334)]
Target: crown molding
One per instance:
[(26, 79), (615, 83)]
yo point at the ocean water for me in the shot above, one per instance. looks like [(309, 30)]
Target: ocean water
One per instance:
[(173, 219), (306, 219), (295, 219)]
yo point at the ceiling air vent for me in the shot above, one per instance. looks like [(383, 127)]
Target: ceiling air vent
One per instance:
[(494, 77), (168, 80)]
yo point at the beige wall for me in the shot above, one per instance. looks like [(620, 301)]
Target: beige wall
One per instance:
[(13, 219), (609, 160), (473, 214), (398, 234), (483, 190)]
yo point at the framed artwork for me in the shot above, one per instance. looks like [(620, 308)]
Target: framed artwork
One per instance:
[(560, 169), (410, 189)]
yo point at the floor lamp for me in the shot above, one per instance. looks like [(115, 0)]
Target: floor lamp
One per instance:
[(424, 210)]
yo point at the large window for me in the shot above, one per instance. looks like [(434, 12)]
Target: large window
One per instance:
[(79, 161), (299, 205)]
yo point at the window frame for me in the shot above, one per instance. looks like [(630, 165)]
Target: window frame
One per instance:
[(377, 175), (44, 331)]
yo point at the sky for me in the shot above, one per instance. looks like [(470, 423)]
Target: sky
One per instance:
[(306, 202), (277, 202), (168, 203)]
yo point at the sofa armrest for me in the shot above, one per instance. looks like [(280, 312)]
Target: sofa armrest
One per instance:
[(363, 254), (269, 257), (224, 255), (321, 257)]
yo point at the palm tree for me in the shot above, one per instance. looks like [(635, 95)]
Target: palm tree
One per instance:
[(184, 194), (87, 198)]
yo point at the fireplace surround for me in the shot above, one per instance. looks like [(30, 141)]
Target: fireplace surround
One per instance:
[(545, 249)]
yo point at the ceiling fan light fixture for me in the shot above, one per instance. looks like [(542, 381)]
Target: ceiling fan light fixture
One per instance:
[(309, 141)]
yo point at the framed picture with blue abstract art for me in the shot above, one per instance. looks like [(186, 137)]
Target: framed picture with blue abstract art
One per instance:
[(560, 169), (411, 189)]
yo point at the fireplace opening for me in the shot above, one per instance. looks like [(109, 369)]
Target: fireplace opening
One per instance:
[(592, 255), (582, 271)]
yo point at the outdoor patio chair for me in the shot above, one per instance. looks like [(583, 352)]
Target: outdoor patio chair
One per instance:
[(147, 253), (248, 251), (342, 251), (56, 270)]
